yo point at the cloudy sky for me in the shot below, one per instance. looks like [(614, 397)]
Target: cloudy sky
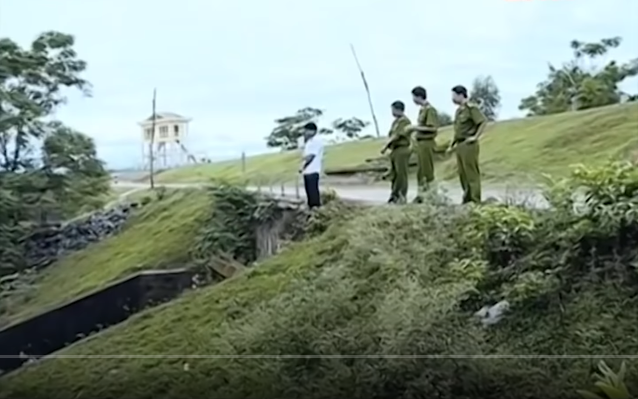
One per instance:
[(235, 65)]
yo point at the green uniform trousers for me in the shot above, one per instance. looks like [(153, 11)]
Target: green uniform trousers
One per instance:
[(467, 162), (399, 164), (425, 163)]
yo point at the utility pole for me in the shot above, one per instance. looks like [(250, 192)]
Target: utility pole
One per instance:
[(152, 142)]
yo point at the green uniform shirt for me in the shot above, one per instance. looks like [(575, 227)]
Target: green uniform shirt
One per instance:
[(399, 136), (427, 117), (467, 120)]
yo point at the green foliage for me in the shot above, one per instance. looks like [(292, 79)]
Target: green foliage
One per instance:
[(445, 119), (396, 281), (608, 384), (230, 231), (160, 192), (331, 215), (158, 237), (351, 128), (78, 179), (289, 129), (68, 178), (576, 86), (486, 95), (513, 151)]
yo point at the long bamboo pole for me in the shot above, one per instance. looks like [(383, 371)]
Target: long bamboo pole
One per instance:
[(365, 85)]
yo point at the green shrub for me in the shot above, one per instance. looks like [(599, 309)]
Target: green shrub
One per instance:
[(608, 384), (230, 231), (378, 300)]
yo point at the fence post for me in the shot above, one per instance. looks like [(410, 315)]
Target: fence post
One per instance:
[(243, 162), (283, 191)]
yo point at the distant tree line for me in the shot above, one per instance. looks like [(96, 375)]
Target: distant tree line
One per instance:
[(581, 83)]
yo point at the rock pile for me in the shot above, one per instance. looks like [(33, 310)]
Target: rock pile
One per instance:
[(50, 242)]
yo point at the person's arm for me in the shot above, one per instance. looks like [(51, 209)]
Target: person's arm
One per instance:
[(479, 120), (390, 137), (428, 121), (400, 130), (309, 154)]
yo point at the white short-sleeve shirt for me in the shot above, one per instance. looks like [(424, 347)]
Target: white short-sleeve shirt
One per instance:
[(314, 146)]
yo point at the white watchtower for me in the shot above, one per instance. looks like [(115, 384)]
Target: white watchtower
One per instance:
[(169, 150)]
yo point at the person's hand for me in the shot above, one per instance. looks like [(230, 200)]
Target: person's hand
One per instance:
[(471, 139), (383, 150)]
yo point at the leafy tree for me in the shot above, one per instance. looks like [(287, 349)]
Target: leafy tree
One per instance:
[(350, 127), (32, 81), (78, 178), (486, 95), (580, 83), (445, 119), (289, 129)]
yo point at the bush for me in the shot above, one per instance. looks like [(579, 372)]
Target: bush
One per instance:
[(608, 384), (230, 231), (382, 304)]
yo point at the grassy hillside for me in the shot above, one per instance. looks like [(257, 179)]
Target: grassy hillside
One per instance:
[(512, 150), (158, 237), (379, 286)]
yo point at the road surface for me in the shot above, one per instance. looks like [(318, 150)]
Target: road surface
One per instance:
[(378, 195)]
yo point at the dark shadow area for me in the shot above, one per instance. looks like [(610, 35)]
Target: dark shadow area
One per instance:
[(63, 325)]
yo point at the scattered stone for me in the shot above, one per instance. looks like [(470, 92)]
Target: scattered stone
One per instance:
[(54, 240)]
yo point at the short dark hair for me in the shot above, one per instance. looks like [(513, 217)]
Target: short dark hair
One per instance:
[(310, 126), (420, 92), (398, 105), (460, 90)]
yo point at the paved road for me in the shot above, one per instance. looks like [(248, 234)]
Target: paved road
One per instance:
[(379, 195)]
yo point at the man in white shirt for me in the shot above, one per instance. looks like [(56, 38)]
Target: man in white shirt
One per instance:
[(311, 165)]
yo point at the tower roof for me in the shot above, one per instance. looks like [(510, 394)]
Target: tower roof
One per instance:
[(165, 115)]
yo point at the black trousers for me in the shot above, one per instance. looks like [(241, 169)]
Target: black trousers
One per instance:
[(311, 184)]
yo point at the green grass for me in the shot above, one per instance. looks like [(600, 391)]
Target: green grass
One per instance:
[(511, 150), (115, 194), (375, 285), (158, 237)]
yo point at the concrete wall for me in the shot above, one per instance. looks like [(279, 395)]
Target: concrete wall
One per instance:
[(63, 325), (269, 235)]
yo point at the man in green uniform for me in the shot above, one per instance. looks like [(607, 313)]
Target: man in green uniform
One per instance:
[(399, 146), (424, 135), (469, 125)]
